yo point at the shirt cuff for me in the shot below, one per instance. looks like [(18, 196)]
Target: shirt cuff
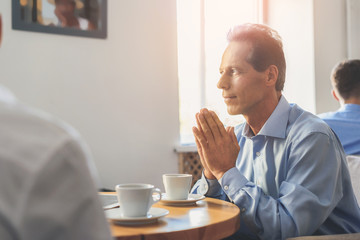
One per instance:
[(232, 181), (208, 187)]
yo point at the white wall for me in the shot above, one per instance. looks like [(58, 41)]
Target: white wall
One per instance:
[(353, 28), (314, 36), (330, 47), (294, 22), (120, 93)]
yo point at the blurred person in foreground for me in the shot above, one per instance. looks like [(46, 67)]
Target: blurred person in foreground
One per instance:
[(284, 167), (47, 189), (345, 79)]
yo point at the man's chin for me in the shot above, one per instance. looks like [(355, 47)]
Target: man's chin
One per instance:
[(232, 111)]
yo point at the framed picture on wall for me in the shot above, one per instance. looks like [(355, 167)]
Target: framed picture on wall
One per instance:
[(84, 18)]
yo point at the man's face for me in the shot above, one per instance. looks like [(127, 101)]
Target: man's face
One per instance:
[(244, 88), (65, 7)]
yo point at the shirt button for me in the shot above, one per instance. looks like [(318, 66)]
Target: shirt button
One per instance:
[(258, 154), (226, 187), (243, 210)]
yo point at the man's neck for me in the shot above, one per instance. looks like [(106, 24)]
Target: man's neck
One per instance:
[(352, 100), (258, 118)]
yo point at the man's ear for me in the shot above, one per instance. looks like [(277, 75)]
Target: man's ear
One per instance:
[(272, 75), (334, 95)]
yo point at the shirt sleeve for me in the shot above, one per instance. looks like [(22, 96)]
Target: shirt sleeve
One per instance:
[(308, 195), (209, 188), (62, 202)]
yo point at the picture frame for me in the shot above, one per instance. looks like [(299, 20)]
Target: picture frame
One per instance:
[(83, 18)]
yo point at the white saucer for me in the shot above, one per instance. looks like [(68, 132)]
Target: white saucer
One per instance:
[(192, 199), (153, 215)]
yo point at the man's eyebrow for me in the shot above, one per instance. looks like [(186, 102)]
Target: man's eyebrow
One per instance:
[(221, 69), (227, 67)]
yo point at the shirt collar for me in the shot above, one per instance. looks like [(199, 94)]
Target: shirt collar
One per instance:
[(276, 124), (350, 107)]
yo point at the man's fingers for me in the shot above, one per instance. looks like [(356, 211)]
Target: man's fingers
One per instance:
[(203, 129), (228, 129), (233, 136), (198, 123), (206, 129), (211, 123), (198, 145), (200, 138), (231, 133), (218, 123), (201, 154), (200, 149)]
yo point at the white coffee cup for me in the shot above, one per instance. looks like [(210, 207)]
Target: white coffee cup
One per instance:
[(177, 186), (136, 199)]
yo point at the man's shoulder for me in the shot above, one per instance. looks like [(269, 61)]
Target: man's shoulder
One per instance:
[(300, 123), (327, 115), (330, 117), (31, 141), (303, 123), (26, 129), (26, 118)]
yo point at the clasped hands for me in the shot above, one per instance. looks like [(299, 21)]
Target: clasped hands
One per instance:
[(217, 146)]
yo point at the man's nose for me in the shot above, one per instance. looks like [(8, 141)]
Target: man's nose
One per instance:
[(223, 82)]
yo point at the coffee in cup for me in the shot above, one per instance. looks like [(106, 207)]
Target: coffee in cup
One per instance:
[(177, 186), (136, 199)]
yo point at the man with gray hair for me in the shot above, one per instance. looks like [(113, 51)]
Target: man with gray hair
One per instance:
[(284, 167)]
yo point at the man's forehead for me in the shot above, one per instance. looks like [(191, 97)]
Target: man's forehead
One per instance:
[(236, 51), (239, 46)]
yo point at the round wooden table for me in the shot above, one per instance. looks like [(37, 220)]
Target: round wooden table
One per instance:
[(207, 219)]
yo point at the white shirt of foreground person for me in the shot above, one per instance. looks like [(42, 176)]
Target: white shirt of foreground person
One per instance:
[(46, 188)]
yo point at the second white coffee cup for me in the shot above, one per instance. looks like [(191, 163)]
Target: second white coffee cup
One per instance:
[(177, 186), (136, 199)]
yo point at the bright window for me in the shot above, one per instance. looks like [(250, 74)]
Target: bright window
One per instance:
[(202, 30)]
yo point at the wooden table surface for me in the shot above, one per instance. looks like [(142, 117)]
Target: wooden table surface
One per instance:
[(207, 219)]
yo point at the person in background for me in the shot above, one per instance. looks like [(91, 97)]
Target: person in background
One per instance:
[(65, 12), (345, 80), (47, 187), (284, 167)]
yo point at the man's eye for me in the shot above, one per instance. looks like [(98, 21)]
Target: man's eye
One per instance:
[(233, 71)]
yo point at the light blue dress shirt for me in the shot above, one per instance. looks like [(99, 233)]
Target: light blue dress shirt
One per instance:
[(346, 124), (291, 179)]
